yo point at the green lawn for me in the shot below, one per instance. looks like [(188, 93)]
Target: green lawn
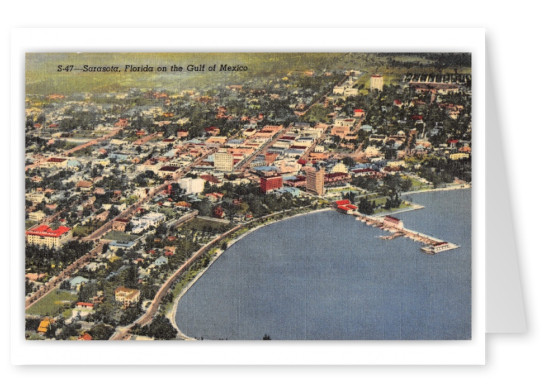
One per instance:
[(380, 209), (379, 201), (119, 236), (53, 304), (416, 184), (340, 189), (200, 225)]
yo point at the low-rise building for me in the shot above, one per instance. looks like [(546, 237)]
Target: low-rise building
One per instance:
[(127, 296), (44, 325), (37, 216), (393, 222), (120, 224)]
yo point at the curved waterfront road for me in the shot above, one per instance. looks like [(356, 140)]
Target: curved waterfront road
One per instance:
[(122, 332)]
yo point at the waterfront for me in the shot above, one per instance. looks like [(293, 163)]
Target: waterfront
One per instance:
[(328, 276)]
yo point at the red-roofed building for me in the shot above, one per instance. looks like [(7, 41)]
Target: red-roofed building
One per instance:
[(169, 171), (453, 143), (43, 235), (84, 305), (56, 162), (336, 177), (210, 178), (219, 212), (85, 337), (345, 206), (342, 202), (214, 197), (393, 222)]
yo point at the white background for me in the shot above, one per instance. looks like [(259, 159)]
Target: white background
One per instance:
[(517, 49)]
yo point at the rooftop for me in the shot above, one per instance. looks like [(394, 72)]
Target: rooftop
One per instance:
[(45, 230)]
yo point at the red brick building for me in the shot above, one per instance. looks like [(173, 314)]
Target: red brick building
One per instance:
[(268, 184)]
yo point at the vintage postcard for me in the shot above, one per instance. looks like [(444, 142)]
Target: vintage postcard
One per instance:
[(248, 196)]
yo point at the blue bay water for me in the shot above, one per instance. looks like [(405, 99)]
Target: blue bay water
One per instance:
[(327, 276)]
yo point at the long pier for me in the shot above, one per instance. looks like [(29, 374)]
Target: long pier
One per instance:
[(396, 229)]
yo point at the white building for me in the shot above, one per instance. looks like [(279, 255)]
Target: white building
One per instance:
[(37, 216), (192, 185), (339, 167), (351, 92), (345, 122), (338, 90), (223, 161), (145, 222), (377, 82)]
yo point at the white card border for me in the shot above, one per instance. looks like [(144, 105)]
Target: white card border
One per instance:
[(24, 352)]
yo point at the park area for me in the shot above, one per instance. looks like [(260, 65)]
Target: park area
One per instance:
[(53, 304)]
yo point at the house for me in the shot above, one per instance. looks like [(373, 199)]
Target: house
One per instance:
[(37, 216), (115, 245), (84, 185), (102, 216), (169, 171), (219, 212), (126, 296), (84, 306), (34, 276), (74, 164), (162, 260), (56, 162), (85, 337), (214, 197), (120, 224), (77, 282), (341, 131), (44, 325)]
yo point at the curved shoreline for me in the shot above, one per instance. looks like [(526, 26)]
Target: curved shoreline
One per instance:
[(455, 187), (172, 314)]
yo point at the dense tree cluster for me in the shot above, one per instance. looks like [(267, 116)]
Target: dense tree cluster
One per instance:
[(40, 259), (160, 328)]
